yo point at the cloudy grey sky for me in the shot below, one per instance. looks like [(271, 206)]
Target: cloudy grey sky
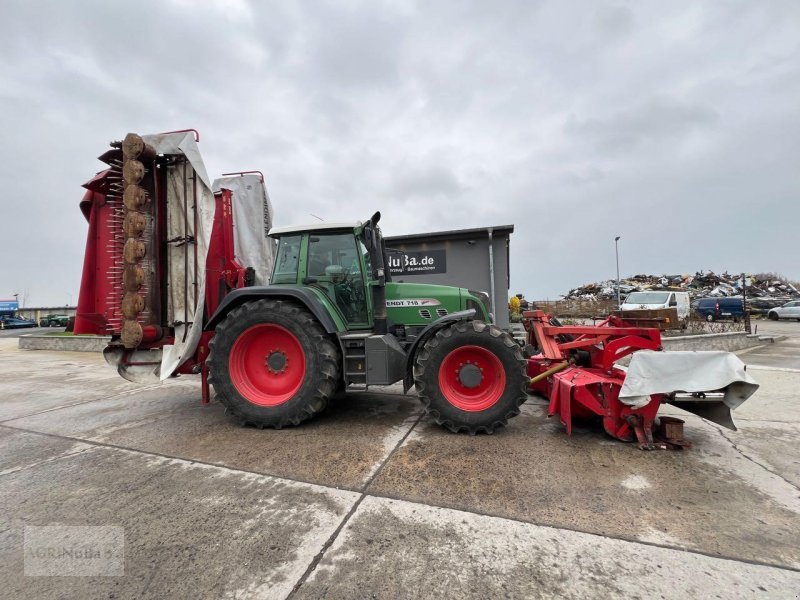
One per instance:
[(673, 124)]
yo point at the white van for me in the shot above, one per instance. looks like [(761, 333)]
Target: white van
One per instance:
[(647, 300)]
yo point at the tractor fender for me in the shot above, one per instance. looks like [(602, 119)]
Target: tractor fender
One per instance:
[(301, 295), (411, 356)]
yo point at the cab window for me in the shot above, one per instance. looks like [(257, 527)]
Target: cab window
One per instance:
[(287, 260), (334, 263)]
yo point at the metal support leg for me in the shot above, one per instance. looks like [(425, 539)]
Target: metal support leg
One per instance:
[(204, 387)]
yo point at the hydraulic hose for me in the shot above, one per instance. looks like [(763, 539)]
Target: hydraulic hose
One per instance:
[(550, 371)]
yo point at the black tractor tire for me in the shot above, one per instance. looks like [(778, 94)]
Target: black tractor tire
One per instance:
[(442, 359), (275, 324), (773, 316)]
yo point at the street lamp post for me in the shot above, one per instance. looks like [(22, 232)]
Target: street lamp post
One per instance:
[(616, 252)]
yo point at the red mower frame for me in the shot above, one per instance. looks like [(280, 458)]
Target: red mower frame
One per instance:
[(575, 369), (99, 301)]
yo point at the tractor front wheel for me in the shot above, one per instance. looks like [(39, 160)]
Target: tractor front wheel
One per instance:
[(272, 365), (471, 377)]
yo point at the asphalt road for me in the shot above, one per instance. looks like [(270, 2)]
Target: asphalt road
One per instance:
[(373, 500), (782, 355), (787, 328), (15, 333)]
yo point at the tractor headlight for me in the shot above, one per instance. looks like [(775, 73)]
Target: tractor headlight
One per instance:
[(483, 313)]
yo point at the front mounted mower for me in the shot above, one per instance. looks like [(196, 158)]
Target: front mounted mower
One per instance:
[(577, 368)]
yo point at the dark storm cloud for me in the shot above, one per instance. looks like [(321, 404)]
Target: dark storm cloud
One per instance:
[(674, 125)]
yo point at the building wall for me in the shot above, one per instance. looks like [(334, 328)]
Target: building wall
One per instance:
[(467, 266)]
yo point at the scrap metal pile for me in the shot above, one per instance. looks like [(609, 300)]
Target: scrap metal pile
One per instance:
[(763, 291)]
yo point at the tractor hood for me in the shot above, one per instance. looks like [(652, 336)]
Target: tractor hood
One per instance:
[(422, 303)]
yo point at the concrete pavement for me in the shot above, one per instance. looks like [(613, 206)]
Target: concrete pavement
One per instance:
[(373, 500), (396, 549), (785, 327), (780, 356)]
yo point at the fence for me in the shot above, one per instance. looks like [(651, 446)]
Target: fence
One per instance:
[(600, 309), (577, 308)]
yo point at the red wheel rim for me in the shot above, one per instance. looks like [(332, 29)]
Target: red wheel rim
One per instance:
[(472, 378), (267, 364)]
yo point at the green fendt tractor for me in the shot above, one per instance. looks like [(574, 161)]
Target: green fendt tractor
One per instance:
[(332, 318)]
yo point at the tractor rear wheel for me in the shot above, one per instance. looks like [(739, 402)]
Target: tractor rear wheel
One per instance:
[(272, 365), (471, 377)]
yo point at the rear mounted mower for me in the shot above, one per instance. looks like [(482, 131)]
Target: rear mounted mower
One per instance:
[(577, 368)]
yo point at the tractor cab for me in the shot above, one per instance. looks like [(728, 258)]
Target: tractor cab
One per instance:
[(331, 259), (345, 266)]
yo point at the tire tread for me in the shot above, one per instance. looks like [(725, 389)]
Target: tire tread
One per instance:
[(421, 365), (328, 374)]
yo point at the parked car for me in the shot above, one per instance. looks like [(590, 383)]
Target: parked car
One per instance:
[(15, 323), (54, 321), (716, 309), (790, 310), (653, 300)]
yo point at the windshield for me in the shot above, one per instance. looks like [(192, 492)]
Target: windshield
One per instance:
[(647, 298), (332, 250)]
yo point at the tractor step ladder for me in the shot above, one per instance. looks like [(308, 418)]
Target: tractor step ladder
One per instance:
[(355, 359)]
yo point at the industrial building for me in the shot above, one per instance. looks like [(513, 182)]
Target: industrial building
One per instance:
[(477, 259)]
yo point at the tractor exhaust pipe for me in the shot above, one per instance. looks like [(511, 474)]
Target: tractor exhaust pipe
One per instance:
[(379, 306), (377, 251)]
